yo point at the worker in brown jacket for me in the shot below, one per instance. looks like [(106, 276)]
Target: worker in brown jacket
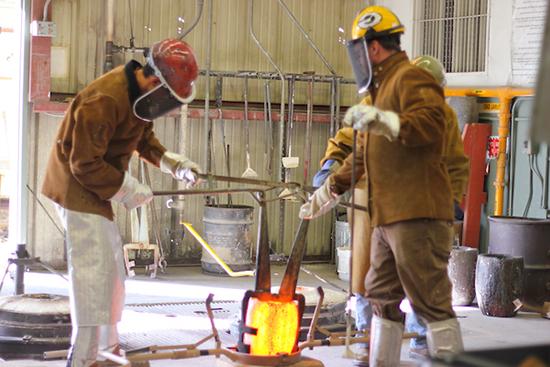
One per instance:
[(88, 170), (457, 163), (400, 154)]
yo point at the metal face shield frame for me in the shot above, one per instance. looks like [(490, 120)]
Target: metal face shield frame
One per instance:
[(360, 63)]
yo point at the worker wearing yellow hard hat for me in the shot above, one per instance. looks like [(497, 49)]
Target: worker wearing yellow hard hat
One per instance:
[(409, 195)]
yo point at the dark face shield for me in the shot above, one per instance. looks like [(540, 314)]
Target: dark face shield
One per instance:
[(360, 63), (155, 103)]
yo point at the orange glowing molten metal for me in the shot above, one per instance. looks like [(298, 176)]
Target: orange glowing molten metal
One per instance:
[(271, 322), (277, 325)]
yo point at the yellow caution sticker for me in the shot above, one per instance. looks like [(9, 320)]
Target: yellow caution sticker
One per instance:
[(490, 107)]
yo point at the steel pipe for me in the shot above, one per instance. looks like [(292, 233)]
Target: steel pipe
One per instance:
[(275, 75), (200, 6), (307, 37)]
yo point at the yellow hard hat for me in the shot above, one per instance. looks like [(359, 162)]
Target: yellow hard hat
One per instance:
[(375, 21), (432, 66)]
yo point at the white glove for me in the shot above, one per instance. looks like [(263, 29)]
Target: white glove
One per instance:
[(132, 193), (320, 203), (369, 118), (180, 167)]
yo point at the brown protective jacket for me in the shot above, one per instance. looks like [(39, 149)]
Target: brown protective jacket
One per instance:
[(339, 147), (95, 142), (406, 178)]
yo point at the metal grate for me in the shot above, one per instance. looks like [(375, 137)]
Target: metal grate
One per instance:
[(454, 32), (220, 309)]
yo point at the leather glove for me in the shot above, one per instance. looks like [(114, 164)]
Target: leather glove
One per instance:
[(320, 203), (132, 193), (373, 120), (328, 168), (180, 167)]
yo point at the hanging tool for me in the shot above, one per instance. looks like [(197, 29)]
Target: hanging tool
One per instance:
[(156, 224), (268, 130), (309, 125), (249, 172), (219, 88), (289, 161), (228, 163), (333, 116), (219, 260)]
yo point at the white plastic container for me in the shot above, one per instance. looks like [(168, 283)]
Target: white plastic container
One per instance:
[(343, 261)]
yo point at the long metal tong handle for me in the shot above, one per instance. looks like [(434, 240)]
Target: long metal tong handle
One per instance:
[(246, 122), (290, 279), (348, 352), (250, 181), (263, 271)]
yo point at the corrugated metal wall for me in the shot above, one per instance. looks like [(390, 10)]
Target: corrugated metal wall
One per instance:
[(80, 26), (81, 39)]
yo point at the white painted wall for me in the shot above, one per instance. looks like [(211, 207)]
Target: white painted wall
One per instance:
[(499, 61), (404, 9)]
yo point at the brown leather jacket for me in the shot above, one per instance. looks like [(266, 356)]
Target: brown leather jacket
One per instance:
[(95, 142), (407, 178), (458, 167)]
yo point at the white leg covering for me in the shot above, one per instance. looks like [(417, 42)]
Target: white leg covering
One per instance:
[(385, 342), (85, 343), (444, 338), (108, 338), (96, 271)]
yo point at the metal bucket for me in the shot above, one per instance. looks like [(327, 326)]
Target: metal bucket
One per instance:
[(31, 324), (462, 271), (342, 234), (227, 229), (530, 239), (466, 109), (499, 282)]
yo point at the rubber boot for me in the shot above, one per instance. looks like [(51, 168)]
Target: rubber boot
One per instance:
[(385, 342), (444, 338)]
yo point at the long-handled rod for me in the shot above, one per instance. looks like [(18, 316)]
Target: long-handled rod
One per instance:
[(249, 181), (348, 351)]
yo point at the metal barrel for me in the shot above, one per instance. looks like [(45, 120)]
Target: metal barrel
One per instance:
[(462, 271), (31, 324), (341, 233), (499, 282), (228, 230), (342, 237), (530, 239), (466, 109)]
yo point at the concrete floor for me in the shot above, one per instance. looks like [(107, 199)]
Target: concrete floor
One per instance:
[(190, 284)]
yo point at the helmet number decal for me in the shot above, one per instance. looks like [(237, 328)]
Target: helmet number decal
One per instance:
[(369, 20)]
